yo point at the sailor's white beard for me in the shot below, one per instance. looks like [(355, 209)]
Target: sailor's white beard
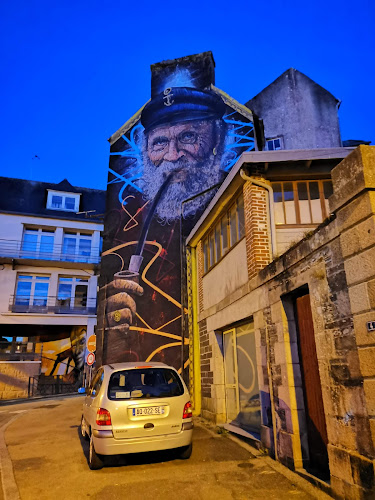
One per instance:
[(187, 181)]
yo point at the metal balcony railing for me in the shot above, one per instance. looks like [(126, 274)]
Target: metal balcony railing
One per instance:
[(51, 304), (24, 250)]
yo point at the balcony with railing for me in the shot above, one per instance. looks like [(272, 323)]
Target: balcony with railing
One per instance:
[(17, 249), (51, 305)]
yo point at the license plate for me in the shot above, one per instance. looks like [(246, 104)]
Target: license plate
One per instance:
[(148, 410)]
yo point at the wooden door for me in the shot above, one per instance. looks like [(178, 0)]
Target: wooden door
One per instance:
[(315, 417)]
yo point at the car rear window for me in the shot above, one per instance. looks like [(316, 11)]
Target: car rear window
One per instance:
[(146, 383)]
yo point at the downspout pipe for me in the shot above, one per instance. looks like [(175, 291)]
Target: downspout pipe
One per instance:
[(259, 183)]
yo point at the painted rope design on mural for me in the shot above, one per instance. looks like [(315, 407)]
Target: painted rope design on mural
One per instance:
[(163, 172)]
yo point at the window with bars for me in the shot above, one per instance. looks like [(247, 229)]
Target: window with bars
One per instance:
[(301, 202), (227, 232)]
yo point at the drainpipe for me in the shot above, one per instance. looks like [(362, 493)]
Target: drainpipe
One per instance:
[(259, 183)]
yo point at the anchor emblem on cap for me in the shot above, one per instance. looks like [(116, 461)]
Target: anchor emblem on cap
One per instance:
[(168, 101)]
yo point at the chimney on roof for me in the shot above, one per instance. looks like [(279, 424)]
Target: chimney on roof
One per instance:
[(197, 71)]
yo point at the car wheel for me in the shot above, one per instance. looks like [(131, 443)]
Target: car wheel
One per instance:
[(95, 460), (83, 429), (186, 451)]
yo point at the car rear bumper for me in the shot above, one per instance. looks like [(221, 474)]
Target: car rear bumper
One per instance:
[(111, 446)]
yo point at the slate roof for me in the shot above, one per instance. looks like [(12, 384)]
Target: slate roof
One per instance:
[(20, 196)]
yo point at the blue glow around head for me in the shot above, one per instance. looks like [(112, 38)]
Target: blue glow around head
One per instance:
[(180, 78)]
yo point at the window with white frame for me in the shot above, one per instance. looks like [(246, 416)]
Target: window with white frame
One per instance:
[(37, 242), (76, 246), (31, 290), (72, 291), (58, 200), (274, 144)]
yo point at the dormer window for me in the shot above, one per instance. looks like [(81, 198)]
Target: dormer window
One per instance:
[(67, 202)]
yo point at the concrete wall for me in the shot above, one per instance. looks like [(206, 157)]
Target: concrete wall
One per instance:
[(226, 276), (299, 110), (337, 264)]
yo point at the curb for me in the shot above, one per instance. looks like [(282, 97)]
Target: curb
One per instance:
[(9, 485)]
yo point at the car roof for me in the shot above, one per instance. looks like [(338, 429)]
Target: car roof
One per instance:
[(131, 365)]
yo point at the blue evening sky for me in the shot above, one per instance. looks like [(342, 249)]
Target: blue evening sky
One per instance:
[(74, 71)]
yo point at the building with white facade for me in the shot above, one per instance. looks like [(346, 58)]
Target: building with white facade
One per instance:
[(50, 239)]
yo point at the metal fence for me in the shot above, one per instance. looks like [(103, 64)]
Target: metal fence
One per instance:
[(50, 385), (17, 249), (51, 304)]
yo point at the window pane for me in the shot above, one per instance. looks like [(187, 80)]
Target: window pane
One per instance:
[(290, 209), (80, 299), (328, 189), (241, 217), (278, 203), (30, 241), (233, 228), (40, 293), (224, 234), (277, 192), (205, 257), (46, 244), (303, 203), (212, 250), (56, 201), (316, 207), (217, 242), (84, 246), (270, 145), (70, 203), (69, 246), (277, 144), (23, 290)]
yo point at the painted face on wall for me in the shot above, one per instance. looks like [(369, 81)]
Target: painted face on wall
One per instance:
[(189, 150), (193, 141), (78, 343)]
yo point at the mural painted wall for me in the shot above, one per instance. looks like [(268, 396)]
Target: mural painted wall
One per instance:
[(165, 167), (65, 356)]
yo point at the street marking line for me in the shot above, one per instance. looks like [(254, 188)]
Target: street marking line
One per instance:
[(10, 489)]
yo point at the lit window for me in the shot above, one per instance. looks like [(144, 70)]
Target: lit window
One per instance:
[(302, 202), (67, 202), (274, 144)]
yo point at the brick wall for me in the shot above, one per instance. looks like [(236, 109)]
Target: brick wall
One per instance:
[(206, 357), (256, 227)]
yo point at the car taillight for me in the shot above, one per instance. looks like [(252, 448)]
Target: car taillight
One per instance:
[(103, 417), (188, 411)]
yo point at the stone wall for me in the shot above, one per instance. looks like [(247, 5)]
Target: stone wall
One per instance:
[(336, 266), (14, 378)]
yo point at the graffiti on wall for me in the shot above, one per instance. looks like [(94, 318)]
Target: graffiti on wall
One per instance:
[(65, 356), (163, 172)]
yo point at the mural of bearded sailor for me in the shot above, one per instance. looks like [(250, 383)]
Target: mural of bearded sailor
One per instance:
[(158, 188)]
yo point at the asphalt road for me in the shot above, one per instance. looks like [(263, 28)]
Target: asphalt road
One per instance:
[(49, 461)]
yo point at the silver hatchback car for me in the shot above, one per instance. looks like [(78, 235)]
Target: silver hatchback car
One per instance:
[(136, 407)]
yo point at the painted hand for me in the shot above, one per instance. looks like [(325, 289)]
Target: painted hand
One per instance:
[(120, 304)]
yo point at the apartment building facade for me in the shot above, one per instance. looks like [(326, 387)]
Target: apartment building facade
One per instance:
[(50, 239)]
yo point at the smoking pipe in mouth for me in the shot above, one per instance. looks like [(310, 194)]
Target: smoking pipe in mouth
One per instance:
[(136, 259)]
